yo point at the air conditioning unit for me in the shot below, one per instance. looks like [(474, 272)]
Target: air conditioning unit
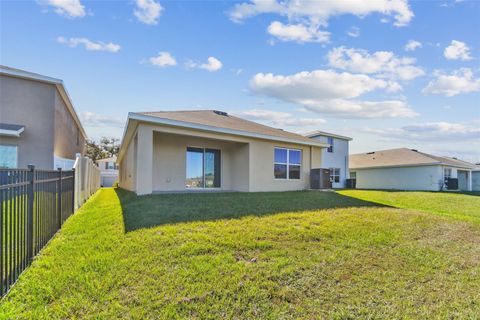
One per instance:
[(320, 179), (351, 183), (451, 183)]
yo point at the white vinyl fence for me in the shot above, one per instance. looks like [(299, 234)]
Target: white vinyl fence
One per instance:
[(87, 179)]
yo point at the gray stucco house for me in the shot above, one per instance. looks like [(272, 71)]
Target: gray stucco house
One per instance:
[(38, 124)]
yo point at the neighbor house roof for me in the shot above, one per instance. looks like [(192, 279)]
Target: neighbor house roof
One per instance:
[(317, 133), (402, 157), (17, 73), (8, 129)]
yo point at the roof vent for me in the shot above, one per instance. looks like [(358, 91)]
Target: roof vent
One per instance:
[(373, 152), (220, 113), (415, 150)]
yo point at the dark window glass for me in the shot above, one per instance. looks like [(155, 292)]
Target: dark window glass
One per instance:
[(280, 171), (212, 168), (294, 156), (293, 172), (280, 155), (330, 142)]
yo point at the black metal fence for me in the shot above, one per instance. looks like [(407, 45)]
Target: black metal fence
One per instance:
[(33, 206)]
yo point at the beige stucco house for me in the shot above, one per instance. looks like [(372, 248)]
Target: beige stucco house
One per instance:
[(212, 150), (38, 124)]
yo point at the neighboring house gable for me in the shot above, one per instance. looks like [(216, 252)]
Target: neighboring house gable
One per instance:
[(39, 104), (335, 157)]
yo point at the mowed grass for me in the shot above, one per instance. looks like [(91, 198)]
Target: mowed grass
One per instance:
[(243, 257), (465, 206)]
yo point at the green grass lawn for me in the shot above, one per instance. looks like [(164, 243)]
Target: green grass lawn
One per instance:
[(261, 255), (465, 206)]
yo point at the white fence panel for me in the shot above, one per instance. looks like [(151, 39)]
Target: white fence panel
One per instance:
[(87, 179)]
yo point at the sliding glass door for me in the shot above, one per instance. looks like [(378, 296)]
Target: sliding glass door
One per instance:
[(203, 168)]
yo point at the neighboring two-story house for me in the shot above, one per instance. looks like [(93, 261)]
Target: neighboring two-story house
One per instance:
[(108, 171), (335, 157), (38, 124)]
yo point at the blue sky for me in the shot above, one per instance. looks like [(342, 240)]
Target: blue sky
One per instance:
[(339, 66)]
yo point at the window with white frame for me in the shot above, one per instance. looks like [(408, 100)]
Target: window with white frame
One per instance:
[(287, 163), (8, 156), (330, 142), (353, 175), (447, 173), (335, 174)]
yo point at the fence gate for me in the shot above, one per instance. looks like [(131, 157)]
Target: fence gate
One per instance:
[(33, 206)]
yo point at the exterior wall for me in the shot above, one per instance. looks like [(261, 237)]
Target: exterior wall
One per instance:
[(475, 180), (336, 159), (169, 161), (29, 103), (247, 164), (127, 178), (403, 178), (68, 139), (261, 167)]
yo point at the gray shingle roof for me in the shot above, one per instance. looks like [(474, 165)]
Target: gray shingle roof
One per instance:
[(402, 157), (223, 120)]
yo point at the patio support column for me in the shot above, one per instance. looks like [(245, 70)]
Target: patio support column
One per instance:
[(144, 161), (469, 180)]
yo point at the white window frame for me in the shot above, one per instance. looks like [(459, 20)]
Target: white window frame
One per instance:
[(333, 175), (331, 148), (445, 170), (288, 163), (203, 169)]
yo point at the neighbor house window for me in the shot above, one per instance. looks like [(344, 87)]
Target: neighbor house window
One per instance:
[(8, 156), (287, 163), (447, 173), (111, 165), (353, 175), (203, 168), (335, 174), (330, 142)]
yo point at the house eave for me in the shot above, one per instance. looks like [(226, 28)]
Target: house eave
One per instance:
[(188, 125), (58, 84)]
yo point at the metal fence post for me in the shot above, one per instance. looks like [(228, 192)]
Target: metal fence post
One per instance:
[(59, 198), (31, 198)]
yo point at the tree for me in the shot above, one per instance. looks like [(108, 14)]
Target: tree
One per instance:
[(110, 146), (107, 147)]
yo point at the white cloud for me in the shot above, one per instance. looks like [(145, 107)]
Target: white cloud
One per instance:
[(306, 17), (67, 8), (278, 118), (212, 64), (457, 50), (148, 11), (163, 59), (91, 119), (319, 12), (430, 131), (382, 63), (89, 45), (459, 81), (329, 92), (297, 32), (412, 45), (354, 32)]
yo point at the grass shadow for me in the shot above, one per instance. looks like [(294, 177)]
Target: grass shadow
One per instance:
[(153, 210)]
